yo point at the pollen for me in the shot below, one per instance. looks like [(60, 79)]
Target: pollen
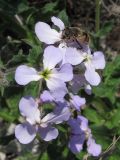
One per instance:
[(45, 74)]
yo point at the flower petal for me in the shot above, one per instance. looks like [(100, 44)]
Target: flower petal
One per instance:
[(25, 133), (59, 94), (57, 22), (88, 89), (77, 101), (54, 84), (75, 126), (46, 96), (83, 122), (76, 143), (92, 76), (93, 148), (65, 73), (73, 56), (48, 133), (63, 47), (60, 114), (56, 95), (52, 56), (29, 108), (46, 34), (98, 60), (25, 74)]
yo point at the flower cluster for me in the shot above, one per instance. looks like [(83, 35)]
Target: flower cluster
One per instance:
[(66, 69)]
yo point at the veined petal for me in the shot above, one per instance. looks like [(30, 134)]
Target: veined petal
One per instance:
[(48, 133), (91, 75), (52, 56), (57, 22), (46, 34), (59, 94), (46, 96), (73, 56), (25, 74), (93, 148), (76, 143), (83, 122), (75, 126), (29, 109), (98, 60), (58, 116), (56, 95), (77, 101), (25, 133), (65, 73), (54, 84)]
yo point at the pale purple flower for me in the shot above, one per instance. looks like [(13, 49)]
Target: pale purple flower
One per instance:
[(35, 124), (55, 77), (46, 96), (76, 142), (93, 148), (91, 61), (77, 101), (56, 95), (77, 137), (48, 35), (79, 133)]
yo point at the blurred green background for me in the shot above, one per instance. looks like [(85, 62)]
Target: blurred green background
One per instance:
[(19, 45)]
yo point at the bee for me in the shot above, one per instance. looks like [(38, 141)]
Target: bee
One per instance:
[(75, 34)]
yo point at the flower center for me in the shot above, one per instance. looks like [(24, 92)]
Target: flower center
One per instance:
[(45, 74), (88, 57)]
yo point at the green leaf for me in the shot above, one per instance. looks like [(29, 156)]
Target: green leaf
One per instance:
[(49, 7), (100, 133), (108, 89), (6, 116), (45, 156), (20, 57), (23, 6), (2, 90), (65, 153), (32, 89), (93, 116), (112, 67), (114, 120), (9, 111), (34, 55), (64, 17), (1, 64), (105, 29)]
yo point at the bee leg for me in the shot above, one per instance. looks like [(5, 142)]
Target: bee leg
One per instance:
[(80, 46)]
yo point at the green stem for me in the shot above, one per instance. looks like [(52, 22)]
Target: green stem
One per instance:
[(97, 20), (40, 87)]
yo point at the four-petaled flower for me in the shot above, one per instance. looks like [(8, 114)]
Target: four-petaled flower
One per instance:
[(54, 77), (35, 124), (57, 69), (79, 133), (91, 62)]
